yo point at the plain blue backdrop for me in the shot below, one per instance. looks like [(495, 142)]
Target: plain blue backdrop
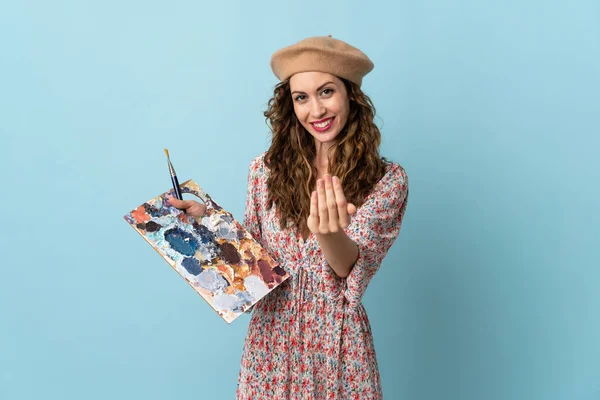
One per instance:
[(492, 289)]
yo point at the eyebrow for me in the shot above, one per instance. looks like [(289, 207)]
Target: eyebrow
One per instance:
[(318, 89)]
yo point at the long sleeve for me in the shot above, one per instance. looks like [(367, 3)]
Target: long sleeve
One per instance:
[(374, 228), (253, 211)]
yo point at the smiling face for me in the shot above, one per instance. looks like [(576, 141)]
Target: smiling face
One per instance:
[(320, 103)]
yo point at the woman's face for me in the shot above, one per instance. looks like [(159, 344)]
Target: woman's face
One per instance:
[(321, 104)]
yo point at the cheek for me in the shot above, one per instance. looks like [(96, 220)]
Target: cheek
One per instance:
[(343, 114), (300, 114), (341, 108)]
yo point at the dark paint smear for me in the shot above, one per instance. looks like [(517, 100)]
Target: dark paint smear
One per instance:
[(214, 205), (181, 241), (207, 263), (249, 259), (152, 226), (227, 218), (265, 271), (141, 225), (192, 266), (206, 236), (229, 253), (240, 233), (151, 210), (279, 271)]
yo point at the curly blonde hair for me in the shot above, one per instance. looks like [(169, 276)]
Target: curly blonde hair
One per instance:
[(354, 158)]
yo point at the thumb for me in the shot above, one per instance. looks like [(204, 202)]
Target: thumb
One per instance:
[(351, 208)]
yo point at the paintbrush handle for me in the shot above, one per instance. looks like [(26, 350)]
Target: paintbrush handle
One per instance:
[(176, 187)]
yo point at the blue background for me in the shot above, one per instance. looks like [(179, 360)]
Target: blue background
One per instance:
[(491, 291)]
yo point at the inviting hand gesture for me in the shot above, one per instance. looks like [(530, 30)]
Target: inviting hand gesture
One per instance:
[(329, 210), (190, 207)]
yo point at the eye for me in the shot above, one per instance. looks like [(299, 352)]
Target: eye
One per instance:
[(300, 97), (327, 92)]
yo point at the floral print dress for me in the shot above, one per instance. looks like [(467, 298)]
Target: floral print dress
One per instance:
[(310, 338)]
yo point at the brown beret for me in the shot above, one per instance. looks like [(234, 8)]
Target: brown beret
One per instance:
[(322, 54)]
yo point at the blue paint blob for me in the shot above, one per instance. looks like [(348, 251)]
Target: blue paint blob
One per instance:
[(192, 265), (181, 241), (244, 300), (227, 218)]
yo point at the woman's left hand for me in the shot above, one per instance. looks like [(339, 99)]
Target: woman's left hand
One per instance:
[(329, 210)]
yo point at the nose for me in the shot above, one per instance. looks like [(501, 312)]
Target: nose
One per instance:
[(317, 109)]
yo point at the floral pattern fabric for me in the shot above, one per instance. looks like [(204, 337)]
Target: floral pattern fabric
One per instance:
[(310, 338)]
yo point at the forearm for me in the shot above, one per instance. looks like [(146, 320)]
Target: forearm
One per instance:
[(339, 251)]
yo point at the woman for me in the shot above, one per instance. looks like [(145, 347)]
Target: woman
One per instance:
[(325, 205)]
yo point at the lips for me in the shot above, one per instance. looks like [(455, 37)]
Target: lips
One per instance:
[(322, 125)]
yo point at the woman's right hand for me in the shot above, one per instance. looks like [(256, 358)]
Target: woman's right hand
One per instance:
[(190, 207)]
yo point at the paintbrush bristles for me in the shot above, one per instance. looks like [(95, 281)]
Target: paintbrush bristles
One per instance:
[(171, 169)]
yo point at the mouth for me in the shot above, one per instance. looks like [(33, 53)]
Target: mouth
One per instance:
[(322, 125)]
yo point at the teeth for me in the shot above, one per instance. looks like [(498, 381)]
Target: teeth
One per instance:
[(323, 124)]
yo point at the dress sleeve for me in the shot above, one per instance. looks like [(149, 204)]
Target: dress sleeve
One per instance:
[(252, 214), (374, 229)]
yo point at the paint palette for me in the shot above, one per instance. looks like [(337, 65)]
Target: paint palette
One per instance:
[(214, 253)]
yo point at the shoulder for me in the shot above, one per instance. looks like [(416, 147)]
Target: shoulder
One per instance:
[(395, 177), (258, 166), (391, 191), (386, 202)]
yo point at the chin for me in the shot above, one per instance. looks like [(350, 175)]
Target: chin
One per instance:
[(324, 137)]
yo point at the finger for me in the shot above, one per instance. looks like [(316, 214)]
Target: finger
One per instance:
[(314, 203), (322, 206), (188, 204), (341, 204), (196, 210), (332, 209), (181, 204), (173, 201), (313, 216)]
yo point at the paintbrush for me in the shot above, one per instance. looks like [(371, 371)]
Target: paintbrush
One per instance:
[(174, 178)]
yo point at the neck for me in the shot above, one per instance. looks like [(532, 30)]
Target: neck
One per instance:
[(321, 161)]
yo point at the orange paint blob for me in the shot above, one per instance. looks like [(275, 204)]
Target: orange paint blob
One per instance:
[(140, 214)]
